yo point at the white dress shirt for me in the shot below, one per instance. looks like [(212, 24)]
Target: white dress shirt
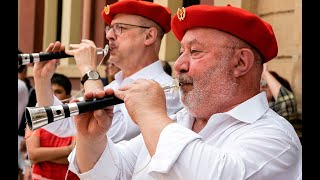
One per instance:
[(23, 99), (123, 128), (250, 141)]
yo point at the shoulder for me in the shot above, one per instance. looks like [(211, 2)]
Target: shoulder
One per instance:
[(22, 88), (22, 84), (273, 125)]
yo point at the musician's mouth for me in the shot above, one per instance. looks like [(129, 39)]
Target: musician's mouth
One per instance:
[(112, 45), (111, 48), (186, 86)]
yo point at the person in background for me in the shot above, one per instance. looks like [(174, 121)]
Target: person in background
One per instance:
[(61, 86), (23, 99), (279, 94), (281, 97), (22, 74), (22, 157), (226, 130), (48, 153), (23, 93), (134, 32)]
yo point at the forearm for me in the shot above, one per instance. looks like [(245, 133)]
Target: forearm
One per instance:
[(116, 162), (41, 154), (273, 84), (43, 92), (90, 85), (151, 131), (63, 160), (88, 152)]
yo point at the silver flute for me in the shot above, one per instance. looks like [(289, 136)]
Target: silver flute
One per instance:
[(40, 116)]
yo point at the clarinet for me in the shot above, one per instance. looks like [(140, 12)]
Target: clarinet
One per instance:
[(40, 116), (24, 59)]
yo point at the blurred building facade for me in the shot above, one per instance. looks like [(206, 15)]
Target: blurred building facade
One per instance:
[(41, 22)]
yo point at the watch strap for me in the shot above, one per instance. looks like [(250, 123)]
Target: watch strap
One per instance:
[(85, 77)]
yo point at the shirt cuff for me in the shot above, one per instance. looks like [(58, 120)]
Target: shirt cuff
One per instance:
[(105, 168), (173, 139)]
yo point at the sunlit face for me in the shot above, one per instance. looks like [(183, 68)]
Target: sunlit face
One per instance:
[(125, 39), (59, 92), (207, 82)]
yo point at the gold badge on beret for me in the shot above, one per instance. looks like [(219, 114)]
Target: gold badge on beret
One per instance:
[(106, 9), (181, 13)]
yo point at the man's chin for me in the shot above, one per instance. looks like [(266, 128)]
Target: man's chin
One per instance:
[(185, 88)]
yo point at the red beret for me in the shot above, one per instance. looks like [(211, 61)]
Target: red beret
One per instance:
[(236, 21), (157, 13)]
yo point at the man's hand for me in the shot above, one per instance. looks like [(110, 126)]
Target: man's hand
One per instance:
[(143, 98), (92, 127), (96, 123)]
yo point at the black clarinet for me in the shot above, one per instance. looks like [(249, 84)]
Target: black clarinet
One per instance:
[(40, 116)]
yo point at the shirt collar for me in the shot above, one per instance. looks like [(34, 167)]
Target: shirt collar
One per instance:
[(250, 110), (148, 72)]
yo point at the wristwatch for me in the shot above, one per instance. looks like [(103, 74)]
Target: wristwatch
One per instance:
[(92, 74)]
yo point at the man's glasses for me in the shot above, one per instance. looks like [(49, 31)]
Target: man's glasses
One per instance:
[(117, 27)]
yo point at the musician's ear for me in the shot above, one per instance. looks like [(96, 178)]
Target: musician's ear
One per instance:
[(243, 61), (150, 35)]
